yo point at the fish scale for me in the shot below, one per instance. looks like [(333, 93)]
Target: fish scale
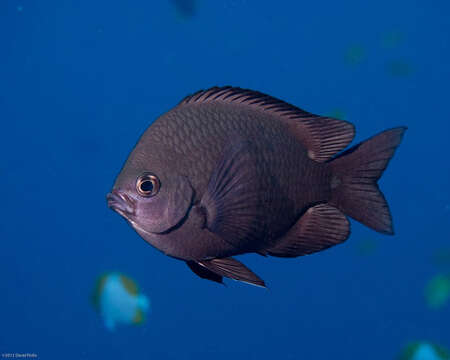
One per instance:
[(217, 128)]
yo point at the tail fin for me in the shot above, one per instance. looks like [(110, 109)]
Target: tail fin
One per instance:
[(354, 183)]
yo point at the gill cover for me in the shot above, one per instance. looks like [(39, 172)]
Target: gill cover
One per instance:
[(168, 207)]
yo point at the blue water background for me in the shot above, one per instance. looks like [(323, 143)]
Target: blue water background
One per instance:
[(81, 80)]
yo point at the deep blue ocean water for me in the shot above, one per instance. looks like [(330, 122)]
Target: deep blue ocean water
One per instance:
[(81, 80)]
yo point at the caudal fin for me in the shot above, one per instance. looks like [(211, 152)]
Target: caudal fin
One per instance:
[(354, 183)]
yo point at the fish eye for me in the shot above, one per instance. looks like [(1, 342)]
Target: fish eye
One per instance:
[(147, 185)]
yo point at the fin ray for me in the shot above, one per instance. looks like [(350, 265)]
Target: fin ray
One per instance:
[(233, 269), (356, 171), (203, 272), (231, 201), (321, 227)]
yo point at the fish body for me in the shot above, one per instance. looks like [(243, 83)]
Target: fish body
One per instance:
[(116, 297), (185, 8), (424, 350), (234, 171)]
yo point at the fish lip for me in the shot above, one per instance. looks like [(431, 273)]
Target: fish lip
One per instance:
[(121, 203)]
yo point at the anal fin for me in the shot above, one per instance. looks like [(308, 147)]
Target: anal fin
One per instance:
[(319, 228), (232, 269)]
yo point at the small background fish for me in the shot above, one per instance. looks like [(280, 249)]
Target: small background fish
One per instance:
[(424, 350), (118, 301), (185, 9)]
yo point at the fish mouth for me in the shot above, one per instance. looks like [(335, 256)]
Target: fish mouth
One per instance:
[(121, 203)]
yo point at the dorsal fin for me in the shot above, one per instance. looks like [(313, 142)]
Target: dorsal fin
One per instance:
[(322, 136)]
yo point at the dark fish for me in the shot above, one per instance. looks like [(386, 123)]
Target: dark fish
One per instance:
[(230, 171), (186, 8)]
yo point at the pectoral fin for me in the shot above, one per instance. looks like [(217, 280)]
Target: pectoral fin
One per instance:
[(232, 199)]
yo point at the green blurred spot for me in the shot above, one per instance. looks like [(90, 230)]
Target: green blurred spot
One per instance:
[(399, 68), (366, 247), (392, 39), (337, 114), (98, 288), (129, 284), (355, 55), (20, 8), (437, 291), (441, 257), (186, 9)]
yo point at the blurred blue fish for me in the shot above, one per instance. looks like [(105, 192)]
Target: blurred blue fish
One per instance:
[(117, 299), (424, 350)]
